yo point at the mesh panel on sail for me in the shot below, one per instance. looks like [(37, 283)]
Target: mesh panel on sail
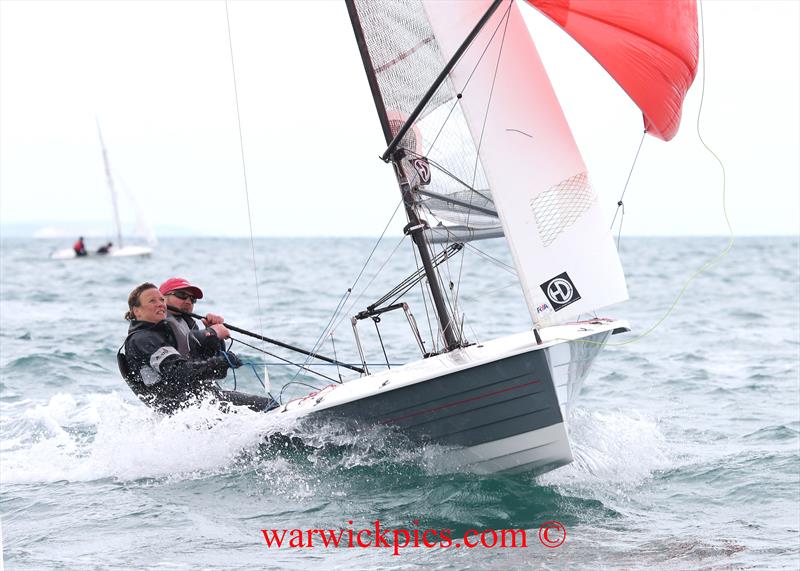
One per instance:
[(405, 64), (561, 205)]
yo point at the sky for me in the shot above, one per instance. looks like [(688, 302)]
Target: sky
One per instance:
[(158, 78)]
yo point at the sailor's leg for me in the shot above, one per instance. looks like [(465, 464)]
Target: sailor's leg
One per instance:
[(254, 402)]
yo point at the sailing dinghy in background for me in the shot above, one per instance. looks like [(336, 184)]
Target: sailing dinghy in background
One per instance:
[(481, 148), (118, 250)]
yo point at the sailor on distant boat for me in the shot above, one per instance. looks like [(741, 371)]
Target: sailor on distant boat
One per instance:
[(80, 247), (105, 249)]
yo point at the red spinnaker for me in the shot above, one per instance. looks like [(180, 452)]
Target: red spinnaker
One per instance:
[(648, 46)]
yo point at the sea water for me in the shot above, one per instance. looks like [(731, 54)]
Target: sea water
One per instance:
[(687, 440)]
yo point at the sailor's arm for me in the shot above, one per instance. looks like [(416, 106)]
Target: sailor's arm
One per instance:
[(163, 364), (207, 340), (191, 373)]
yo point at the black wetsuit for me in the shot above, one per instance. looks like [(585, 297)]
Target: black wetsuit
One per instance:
[(166, 380)]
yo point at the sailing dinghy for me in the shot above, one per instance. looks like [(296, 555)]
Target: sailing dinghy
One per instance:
[(481, 148), (118, 250)]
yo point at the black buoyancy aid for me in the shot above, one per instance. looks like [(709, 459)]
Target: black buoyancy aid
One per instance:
[(130, 378)]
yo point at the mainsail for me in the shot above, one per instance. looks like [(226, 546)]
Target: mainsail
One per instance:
[(491, 153), (142, 227), (111, 189), (403, 58)]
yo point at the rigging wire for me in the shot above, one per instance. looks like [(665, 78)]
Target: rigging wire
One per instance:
[(338, 311), (499, 263), (724, 252), (285, 361), (244, 172), (620, 204), (366, 287), (302, 384), (467, 81), (454, 297), (336, 357), (344, 313), (424, 292), (318, 342), (507, 19), (250, 221)]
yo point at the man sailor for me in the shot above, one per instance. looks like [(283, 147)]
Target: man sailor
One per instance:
[(195, 342), (79, 247), (192, 341), (160, 375), (105, 249)]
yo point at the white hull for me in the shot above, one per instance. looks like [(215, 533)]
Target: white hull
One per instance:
[(499, 406), (537, 451), (126, 251)]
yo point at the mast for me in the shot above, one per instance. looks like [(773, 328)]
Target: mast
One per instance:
[(395, 153), (110, 180), (416, 228)]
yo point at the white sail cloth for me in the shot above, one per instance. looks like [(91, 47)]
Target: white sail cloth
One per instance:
[(560, 242)]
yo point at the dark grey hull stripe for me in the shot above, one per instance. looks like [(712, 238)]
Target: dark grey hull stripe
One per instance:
[(482, 404)]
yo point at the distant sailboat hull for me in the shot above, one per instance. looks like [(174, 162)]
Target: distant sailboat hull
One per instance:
[(496, 407), (126, 251)]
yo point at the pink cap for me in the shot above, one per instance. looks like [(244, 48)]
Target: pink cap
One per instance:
[(174, 284)]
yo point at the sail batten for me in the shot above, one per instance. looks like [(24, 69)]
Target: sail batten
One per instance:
[(451, 200)]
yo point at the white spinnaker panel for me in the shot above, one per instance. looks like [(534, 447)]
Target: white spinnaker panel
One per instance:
[(558, 236)]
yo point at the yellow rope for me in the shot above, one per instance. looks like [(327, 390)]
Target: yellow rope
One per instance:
[(710, 263)]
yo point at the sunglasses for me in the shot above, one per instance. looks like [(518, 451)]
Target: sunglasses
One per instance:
[(183, 295)]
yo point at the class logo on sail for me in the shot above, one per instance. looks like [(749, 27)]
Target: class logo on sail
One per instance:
[(423, 170), (560, 291)]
